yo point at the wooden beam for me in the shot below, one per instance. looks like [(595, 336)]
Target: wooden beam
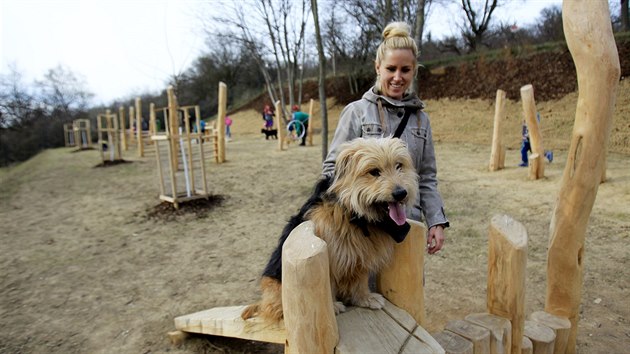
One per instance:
[(590, 40), (306, 294), (139, 127), (507, 265), (497, 155)]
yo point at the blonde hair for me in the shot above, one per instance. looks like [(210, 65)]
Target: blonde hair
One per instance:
[(396, 36)]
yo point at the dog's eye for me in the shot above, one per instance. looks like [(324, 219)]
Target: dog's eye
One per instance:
[(375, 172), (399, 166)]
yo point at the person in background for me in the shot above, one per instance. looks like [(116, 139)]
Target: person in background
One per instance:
[(391, 109), (228, 124), (268, 115), (302, 118)]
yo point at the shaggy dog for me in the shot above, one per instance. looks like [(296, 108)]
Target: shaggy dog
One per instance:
[(360, 214), (273, 133)]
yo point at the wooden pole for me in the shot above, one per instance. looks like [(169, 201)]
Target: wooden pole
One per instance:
[(221, 120), (507, 263), (590, 40), (535, 138), (132, 133), (123, 130), (401, 280), (309, 131), (173, 124), (139, 127), (306, 294), (280, 129), (497, 155)]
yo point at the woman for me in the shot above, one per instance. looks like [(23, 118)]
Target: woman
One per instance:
[(380, 112)]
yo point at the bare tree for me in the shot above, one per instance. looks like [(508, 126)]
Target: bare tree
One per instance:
[(64, 91), (477, 22), (17, 103)]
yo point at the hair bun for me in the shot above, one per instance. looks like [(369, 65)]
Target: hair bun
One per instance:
[(396, 29)]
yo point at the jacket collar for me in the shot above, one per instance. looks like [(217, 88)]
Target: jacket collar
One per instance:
[(409, 100)]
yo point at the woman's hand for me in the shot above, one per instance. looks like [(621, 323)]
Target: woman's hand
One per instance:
[(435, 239)]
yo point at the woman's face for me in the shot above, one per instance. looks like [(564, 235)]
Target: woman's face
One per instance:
[(396, 72)]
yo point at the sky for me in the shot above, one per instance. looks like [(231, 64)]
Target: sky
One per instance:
[(123, 48)]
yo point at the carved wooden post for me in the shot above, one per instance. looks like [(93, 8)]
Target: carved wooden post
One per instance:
[(221, 121), (590, 40), (535, 138), (507, 263), (306, 295), (497, 156)]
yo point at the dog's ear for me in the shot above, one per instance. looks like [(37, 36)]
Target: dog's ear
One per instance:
[(344, 161)]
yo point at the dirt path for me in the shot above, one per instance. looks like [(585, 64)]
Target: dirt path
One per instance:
[(84, 270)]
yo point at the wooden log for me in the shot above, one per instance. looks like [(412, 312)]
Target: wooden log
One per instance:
[(507, 265), (527, 347), (590, 40), (221, 121), (401, 280), (535, 161), (306, 295), (535, 138), (280, 128), (497, 157), (561, 327), (477, 335), (454, 343), (500, 331), (542, 337)]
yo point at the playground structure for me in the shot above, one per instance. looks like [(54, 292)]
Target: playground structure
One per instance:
[(108, 136), (69, 138), (181, 153), (82, 133), (310, 325)]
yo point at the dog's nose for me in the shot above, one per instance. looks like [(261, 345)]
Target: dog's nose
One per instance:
[(399, 193)]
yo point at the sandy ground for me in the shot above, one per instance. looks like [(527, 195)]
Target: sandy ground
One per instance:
[(85, 270)]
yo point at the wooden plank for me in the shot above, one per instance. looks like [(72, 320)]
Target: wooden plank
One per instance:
[(227, 322), (362, 328)]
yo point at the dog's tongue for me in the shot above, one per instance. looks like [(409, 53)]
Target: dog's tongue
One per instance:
[(397, 213)]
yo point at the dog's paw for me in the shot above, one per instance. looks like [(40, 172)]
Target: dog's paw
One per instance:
[(339, 307), (373, 300)]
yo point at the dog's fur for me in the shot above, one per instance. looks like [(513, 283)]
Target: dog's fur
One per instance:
[(273, 133), (360, 214)]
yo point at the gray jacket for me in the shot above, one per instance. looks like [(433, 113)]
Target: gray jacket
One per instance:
[(362, 119)]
